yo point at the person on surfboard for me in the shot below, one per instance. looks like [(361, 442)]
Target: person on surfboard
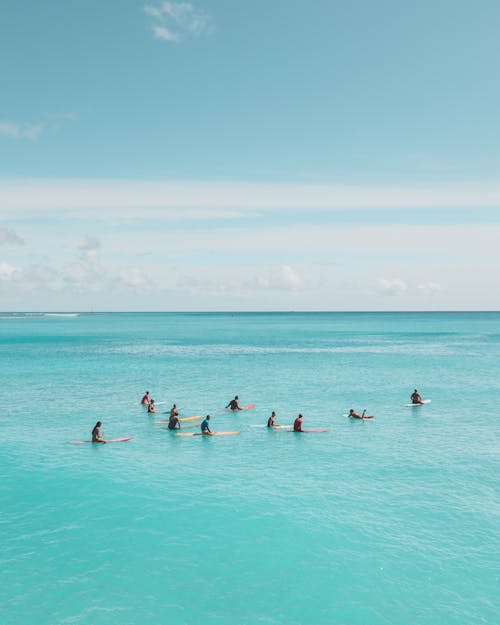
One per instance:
[(96, 433), (145, 400), (297, 424), (205, 427), (173, 421), (270, 421), (233, 404), (355, 415), (415, 397), (151, 406)]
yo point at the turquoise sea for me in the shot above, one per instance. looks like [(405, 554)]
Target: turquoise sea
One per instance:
[(393, 521)]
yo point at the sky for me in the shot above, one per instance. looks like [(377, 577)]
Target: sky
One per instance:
[(265, 155)]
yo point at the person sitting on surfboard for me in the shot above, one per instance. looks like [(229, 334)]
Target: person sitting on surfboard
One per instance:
[(173, 420), (145, 399), (233, 404), (151, 406), (270, 421), (205, 428), (96, 433), (415, 398), (297, 424)]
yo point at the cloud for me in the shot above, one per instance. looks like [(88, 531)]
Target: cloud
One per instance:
[(173, 20), (391, 287), (14, 130), (9, 272), (31, 131), (285, 278), (90, 248), (428, 288), (215, 200), (160, 32), (9, 237)]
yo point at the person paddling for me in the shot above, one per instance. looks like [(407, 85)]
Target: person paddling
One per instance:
[(233, 404), (355, 415), (96, 433)]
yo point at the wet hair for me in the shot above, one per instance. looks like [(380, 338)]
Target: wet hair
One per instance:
[(300, 415), (207, 417), (236, 396), (97, 425)]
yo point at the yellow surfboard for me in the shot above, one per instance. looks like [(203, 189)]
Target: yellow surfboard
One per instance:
[(213, 433)]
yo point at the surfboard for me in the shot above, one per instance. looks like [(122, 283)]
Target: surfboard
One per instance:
[(213, 434), (303, 431), (108, 440), (424, 401), (249, 407), (276, 425), (163, 421), (191, 418)]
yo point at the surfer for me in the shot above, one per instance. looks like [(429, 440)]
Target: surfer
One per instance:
[(96, 433), (233, 404), (173, 421), (297, 424), (415, 398), (205, 428), (151, 406), (355, 415), (270, 421), (145, 400)]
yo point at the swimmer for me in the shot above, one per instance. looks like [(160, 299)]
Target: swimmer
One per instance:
[(233, 404), (297, 424), (145, 400), (151, 406), (96, 433), (205, 428), (415, 398)]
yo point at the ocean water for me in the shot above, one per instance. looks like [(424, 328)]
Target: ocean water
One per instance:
[(392, 521)]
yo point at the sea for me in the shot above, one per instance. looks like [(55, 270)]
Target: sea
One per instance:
[(389, 521)]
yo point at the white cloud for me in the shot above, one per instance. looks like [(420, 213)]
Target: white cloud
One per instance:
[(172, 20), (285, 278), (160, 32), (32, 130), (9, 272), (215, 200), (133, 277), (10, 237), (21, 131), (392, 287), (428, 288)]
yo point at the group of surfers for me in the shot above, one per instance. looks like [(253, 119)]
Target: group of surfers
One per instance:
[(233, 405)]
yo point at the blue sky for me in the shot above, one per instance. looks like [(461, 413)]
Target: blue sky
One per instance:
[(231, 155)]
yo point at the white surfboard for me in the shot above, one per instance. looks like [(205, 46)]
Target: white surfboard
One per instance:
[(424, 401)]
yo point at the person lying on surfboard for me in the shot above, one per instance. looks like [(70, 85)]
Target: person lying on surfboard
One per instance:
[(173, 421), (96, 433), (233, 404), (415, 398), (297, 424), (270, 421), (145, 400), (205, 428), (355, 415), (151, 406)]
